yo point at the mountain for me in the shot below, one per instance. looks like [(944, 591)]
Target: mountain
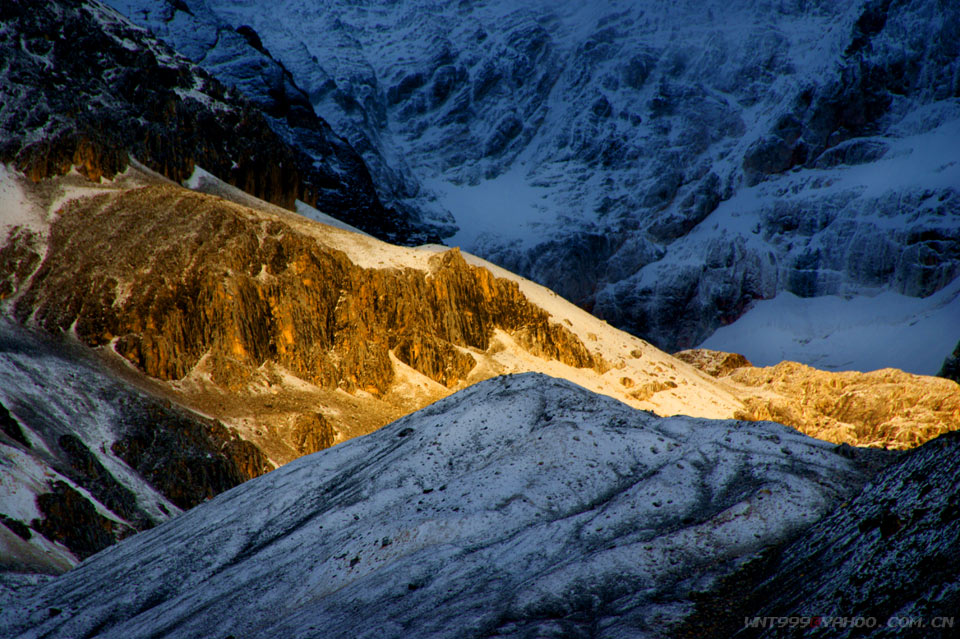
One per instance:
[(297, 332), (521, 505), (83, 87), (167, 334), (671, 166)]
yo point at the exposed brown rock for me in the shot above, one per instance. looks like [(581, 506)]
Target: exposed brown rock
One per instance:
[(649, 389), (180, 279), (312, 432), (187, 460), (884, 408), (713, 363), (69, 518), (437, 359)]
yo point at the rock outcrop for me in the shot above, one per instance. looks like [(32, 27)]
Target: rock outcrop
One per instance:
[(82, 87), (173, 276), (192, 289), (86, 460), (951, 365), (885, 408), (713, 363), (660, 178)]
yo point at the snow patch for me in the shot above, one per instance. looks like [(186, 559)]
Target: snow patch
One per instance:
[(846, 333)]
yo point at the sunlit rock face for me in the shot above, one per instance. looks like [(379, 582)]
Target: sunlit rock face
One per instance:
[(885, 408), (174, 276), (188, 285), (87, 459), (523, 505), (83, 87), (664, 164)]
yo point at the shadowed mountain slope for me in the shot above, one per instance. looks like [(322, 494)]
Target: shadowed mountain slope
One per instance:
[(82, 86)]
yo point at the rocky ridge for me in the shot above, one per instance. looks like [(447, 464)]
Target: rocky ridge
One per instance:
[(885, 408), (86, 459), (297, 332), (83, 87), (521, 505), (887, 556)]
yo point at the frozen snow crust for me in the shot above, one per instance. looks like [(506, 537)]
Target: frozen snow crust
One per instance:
[(665, 164), (521, 504)]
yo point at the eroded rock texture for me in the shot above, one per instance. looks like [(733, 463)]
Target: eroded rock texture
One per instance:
[(888, 554), (175, 276), (666, 166), (887, 407), (85, 459), (713, 363)]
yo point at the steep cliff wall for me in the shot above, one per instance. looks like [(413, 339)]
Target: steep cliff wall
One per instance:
[(188, 287), (174, 276)]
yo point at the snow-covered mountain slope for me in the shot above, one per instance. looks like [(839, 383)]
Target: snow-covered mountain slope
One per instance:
[(82, 86), (521, 505), (664, 164), (86, 459), (835, 332), (238, 57), (888, 557)]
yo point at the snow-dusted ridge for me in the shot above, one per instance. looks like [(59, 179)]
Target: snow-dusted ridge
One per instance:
[(522, 503)]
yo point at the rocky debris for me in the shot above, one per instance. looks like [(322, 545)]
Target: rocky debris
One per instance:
[(174, 276), (313, 432), (93, 460), (951, 366), (520, 506), (885, 408), (713, 363), (85, 88), (439, 360), (886, 556)]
